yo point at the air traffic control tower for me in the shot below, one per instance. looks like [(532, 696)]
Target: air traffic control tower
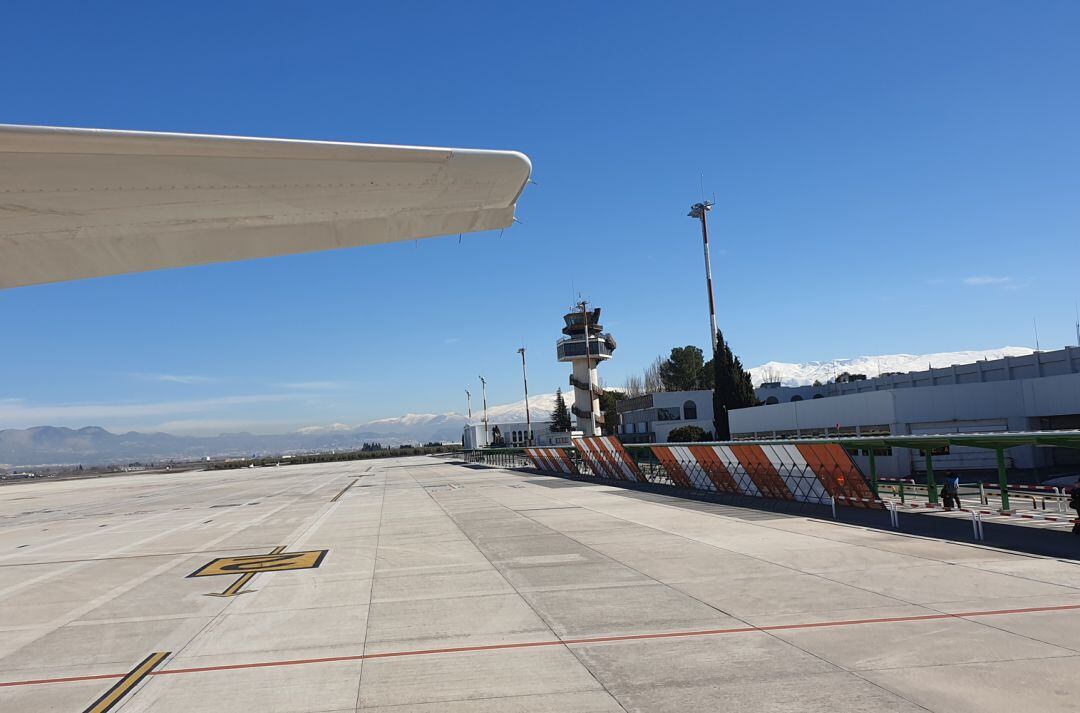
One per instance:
[(585, 345)]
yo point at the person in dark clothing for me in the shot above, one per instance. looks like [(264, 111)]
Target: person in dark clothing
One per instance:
[(950, 492)]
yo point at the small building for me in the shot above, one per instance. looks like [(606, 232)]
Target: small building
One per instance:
[(652, 417), (513, 435)]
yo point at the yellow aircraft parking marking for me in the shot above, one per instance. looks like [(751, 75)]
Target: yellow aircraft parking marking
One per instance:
[(124, 686), (344, 490), (278, 560), (248, 566)]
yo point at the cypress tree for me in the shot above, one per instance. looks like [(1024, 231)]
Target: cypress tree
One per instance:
[(608, 407), (560, 417), (732, 387)]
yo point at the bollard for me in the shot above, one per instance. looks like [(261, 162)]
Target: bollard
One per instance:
[(833, 501), (982, 494), (976, 524), (873, 474), (1003, 482)]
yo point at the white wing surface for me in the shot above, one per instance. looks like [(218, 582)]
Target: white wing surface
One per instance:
[(77, 203)]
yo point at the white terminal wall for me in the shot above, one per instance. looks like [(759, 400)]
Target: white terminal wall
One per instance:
[(1014, 405)]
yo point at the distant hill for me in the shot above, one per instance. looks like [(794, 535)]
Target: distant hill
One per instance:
[(444, 426), (52, 445)]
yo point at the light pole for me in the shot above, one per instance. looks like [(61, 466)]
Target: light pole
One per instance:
[(483, 389), (525, 380), (698, 211), (468, 404)]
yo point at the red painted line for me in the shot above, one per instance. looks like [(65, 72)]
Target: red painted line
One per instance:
[(69, 679), (559, 642)]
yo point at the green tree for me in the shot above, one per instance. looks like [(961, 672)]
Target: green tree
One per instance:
[(688, 434), (707, 378), (607, 407), (684, 370), (732, 387), (560, 417)]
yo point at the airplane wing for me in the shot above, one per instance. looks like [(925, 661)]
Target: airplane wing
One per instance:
[(77, 203)]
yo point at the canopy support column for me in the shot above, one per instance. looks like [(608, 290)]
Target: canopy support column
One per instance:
[(873, 472), (931, 486), (1003, 481)]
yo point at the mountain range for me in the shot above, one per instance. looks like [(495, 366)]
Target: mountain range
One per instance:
[(93, 445), (806, 373)]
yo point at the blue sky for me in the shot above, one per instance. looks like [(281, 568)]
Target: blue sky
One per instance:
[(889, 177)]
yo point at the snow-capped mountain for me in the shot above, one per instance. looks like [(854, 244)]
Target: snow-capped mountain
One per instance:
[(540, 408), (332, 428), (426, 427), (808, 372)]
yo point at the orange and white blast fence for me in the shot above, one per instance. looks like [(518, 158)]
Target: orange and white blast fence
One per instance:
[(816, 473)]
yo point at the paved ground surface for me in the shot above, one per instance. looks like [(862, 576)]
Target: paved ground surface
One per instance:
[(451, 588)]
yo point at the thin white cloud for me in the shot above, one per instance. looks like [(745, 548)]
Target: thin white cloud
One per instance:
[(17, 412), (175, 378), (314, 385), (990, 281), (451, 340)]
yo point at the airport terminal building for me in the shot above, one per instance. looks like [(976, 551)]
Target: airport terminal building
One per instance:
[(513, 435), (1036, 392), (1040, 391)]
